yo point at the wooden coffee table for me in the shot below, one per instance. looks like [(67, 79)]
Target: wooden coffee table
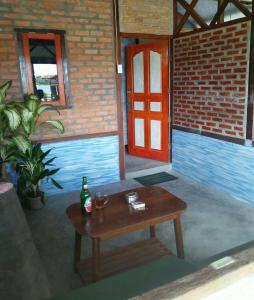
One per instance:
[(117, 218)]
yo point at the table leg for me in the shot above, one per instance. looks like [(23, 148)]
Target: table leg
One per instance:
[(152, 231), (77, 250), (96, 258), (178, 237)]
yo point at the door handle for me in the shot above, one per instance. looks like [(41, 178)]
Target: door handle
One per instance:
[(128, 103)]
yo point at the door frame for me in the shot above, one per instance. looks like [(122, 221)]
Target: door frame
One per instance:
[(147, 97), (159, 38), (118, 65)]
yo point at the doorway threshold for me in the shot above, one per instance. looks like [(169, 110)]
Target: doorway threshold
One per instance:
[(134, 174)]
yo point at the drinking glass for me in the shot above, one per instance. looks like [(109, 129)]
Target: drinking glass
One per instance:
[(100, 200)]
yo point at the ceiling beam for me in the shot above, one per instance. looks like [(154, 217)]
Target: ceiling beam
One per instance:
[(184, 19), (175, 15), (242, 8), (221, 18), (219, 12), (193, 13)]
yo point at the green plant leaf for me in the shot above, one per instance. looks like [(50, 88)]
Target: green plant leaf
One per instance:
[(3, 154), (3, 90), (44, 174), (44, 107), (52, 172), (32, 102), (26, 119), (48, 162), (56, 184), (32, 125), (22, 143), (8, 142), (45, 153), (2, 107), (57, 124), (27, 128), (37, 152), (47, 173), (26, 115), (13, 118), (17, 104)]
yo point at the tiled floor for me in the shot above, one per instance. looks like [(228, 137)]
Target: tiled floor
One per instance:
[(212, 223)]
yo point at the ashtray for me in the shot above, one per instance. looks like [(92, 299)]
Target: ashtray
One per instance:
[(131, 197)]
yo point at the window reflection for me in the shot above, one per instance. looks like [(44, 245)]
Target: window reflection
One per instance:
[(44, 69)]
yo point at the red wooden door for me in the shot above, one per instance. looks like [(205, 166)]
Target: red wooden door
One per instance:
[(147, 100)]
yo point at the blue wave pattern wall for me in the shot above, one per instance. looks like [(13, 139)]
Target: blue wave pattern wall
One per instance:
[(96, 158), (220, 164)]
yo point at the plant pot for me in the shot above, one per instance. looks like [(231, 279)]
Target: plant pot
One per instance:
[(35, 203), (5, 186)]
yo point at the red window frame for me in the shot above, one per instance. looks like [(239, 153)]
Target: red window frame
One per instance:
[(26, 36)]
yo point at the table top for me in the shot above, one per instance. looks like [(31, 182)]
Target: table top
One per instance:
[(117, 217)]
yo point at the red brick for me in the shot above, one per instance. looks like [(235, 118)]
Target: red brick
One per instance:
[(90, 58), (215, 83), (242, 32), (240, 70)]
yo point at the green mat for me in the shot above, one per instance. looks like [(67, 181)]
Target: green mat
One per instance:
[(134, 282), (155, 178)]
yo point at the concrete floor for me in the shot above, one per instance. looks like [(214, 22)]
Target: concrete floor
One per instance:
[(135, 163), (212, 224)]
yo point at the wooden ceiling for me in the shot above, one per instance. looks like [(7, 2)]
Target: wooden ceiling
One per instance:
[(199, 19)]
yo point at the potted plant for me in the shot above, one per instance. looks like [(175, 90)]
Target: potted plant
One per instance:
[(18, 122), (10, 121), (32, 167)]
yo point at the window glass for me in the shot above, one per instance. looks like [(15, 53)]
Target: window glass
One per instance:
[(44, 69), (43, 66), (138, 73)]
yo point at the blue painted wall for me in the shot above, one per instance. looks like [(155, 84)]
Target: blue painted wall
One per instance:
[(220, 164), (96, 158)]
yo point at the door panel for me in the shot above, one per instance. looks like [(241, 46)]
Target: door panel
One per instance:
[(147, 96)]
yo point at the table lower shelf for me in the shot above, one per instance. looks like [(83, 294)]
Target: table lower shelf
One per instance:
[(123, 259)]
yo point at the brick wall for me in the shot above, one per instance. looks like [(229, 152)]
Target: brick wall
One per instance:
[(210, 80), (146, 16), (89, 42)]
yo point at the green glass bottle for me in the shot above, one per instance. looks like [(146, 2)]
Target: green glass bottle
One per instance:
[(85, 199)]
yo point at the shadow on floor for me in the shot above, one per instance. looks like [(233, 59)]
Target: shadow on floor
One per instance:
[(213, 223)]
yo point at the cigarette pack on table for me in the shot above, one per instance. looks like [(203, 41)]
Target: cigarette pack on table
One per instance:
[(138, 205)]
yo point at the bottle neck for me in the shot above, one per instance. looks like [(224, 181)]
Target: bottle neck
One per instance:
[(84, 183)]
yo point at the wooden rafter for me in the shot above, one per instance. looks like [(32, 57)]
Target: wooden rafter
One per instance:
[(242, 8), (221, 18), (185, 17), (219, 12), (218, 18), (193, 13), (175, 17)]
